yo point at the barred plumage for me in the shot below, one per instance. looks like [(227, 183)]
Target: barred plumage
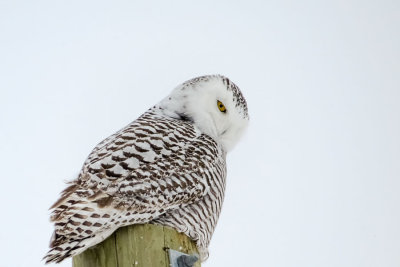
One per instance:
[(167, 167)]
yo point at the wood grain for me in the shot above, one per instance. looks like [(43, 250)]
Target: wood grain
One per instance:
[(136, 246)]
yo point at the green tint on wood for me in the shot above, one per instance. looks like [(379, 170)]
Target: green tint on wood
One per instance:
[(136, 246)]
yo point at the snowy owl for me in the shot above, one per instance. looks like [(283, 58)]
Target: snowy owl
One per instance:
[(167, 167)]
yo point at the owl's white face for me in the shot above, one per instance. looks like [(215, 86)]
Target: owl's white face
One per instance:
[(214, 104)]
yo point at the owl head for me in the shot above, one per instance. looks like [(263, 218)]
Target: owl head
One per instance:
[(214, 104)]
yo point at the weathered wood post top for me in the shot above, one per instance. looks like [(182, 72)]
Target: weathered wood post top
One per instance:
[(137, 246)]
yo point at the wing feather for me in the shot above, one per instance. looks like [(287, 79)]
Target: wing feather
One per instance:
[(153, 165)]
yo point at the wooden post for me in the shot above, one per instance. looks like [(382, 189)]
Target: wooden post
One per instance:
[(136, 246)]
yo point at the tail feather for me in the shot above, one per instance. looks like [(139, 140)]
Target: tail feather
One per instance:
[(63, 251), (60, 250), (82, 221)]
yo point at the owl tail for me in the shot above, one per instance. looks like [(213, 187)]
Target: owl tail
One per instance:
[(62, 248), (59, 252)]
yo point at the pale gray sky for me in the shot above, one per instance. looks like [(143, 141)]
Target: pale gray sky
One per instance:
[(316, 180)]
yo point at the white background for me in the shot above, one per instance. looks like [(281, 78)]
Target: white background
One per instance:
[(316, 180)]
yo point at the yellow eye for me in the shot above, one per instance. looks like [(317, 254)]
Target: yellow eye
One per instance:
[(221, 106)]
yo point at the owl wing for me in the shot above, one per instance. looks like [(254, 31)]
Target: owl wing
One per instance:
[(153, 165)]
